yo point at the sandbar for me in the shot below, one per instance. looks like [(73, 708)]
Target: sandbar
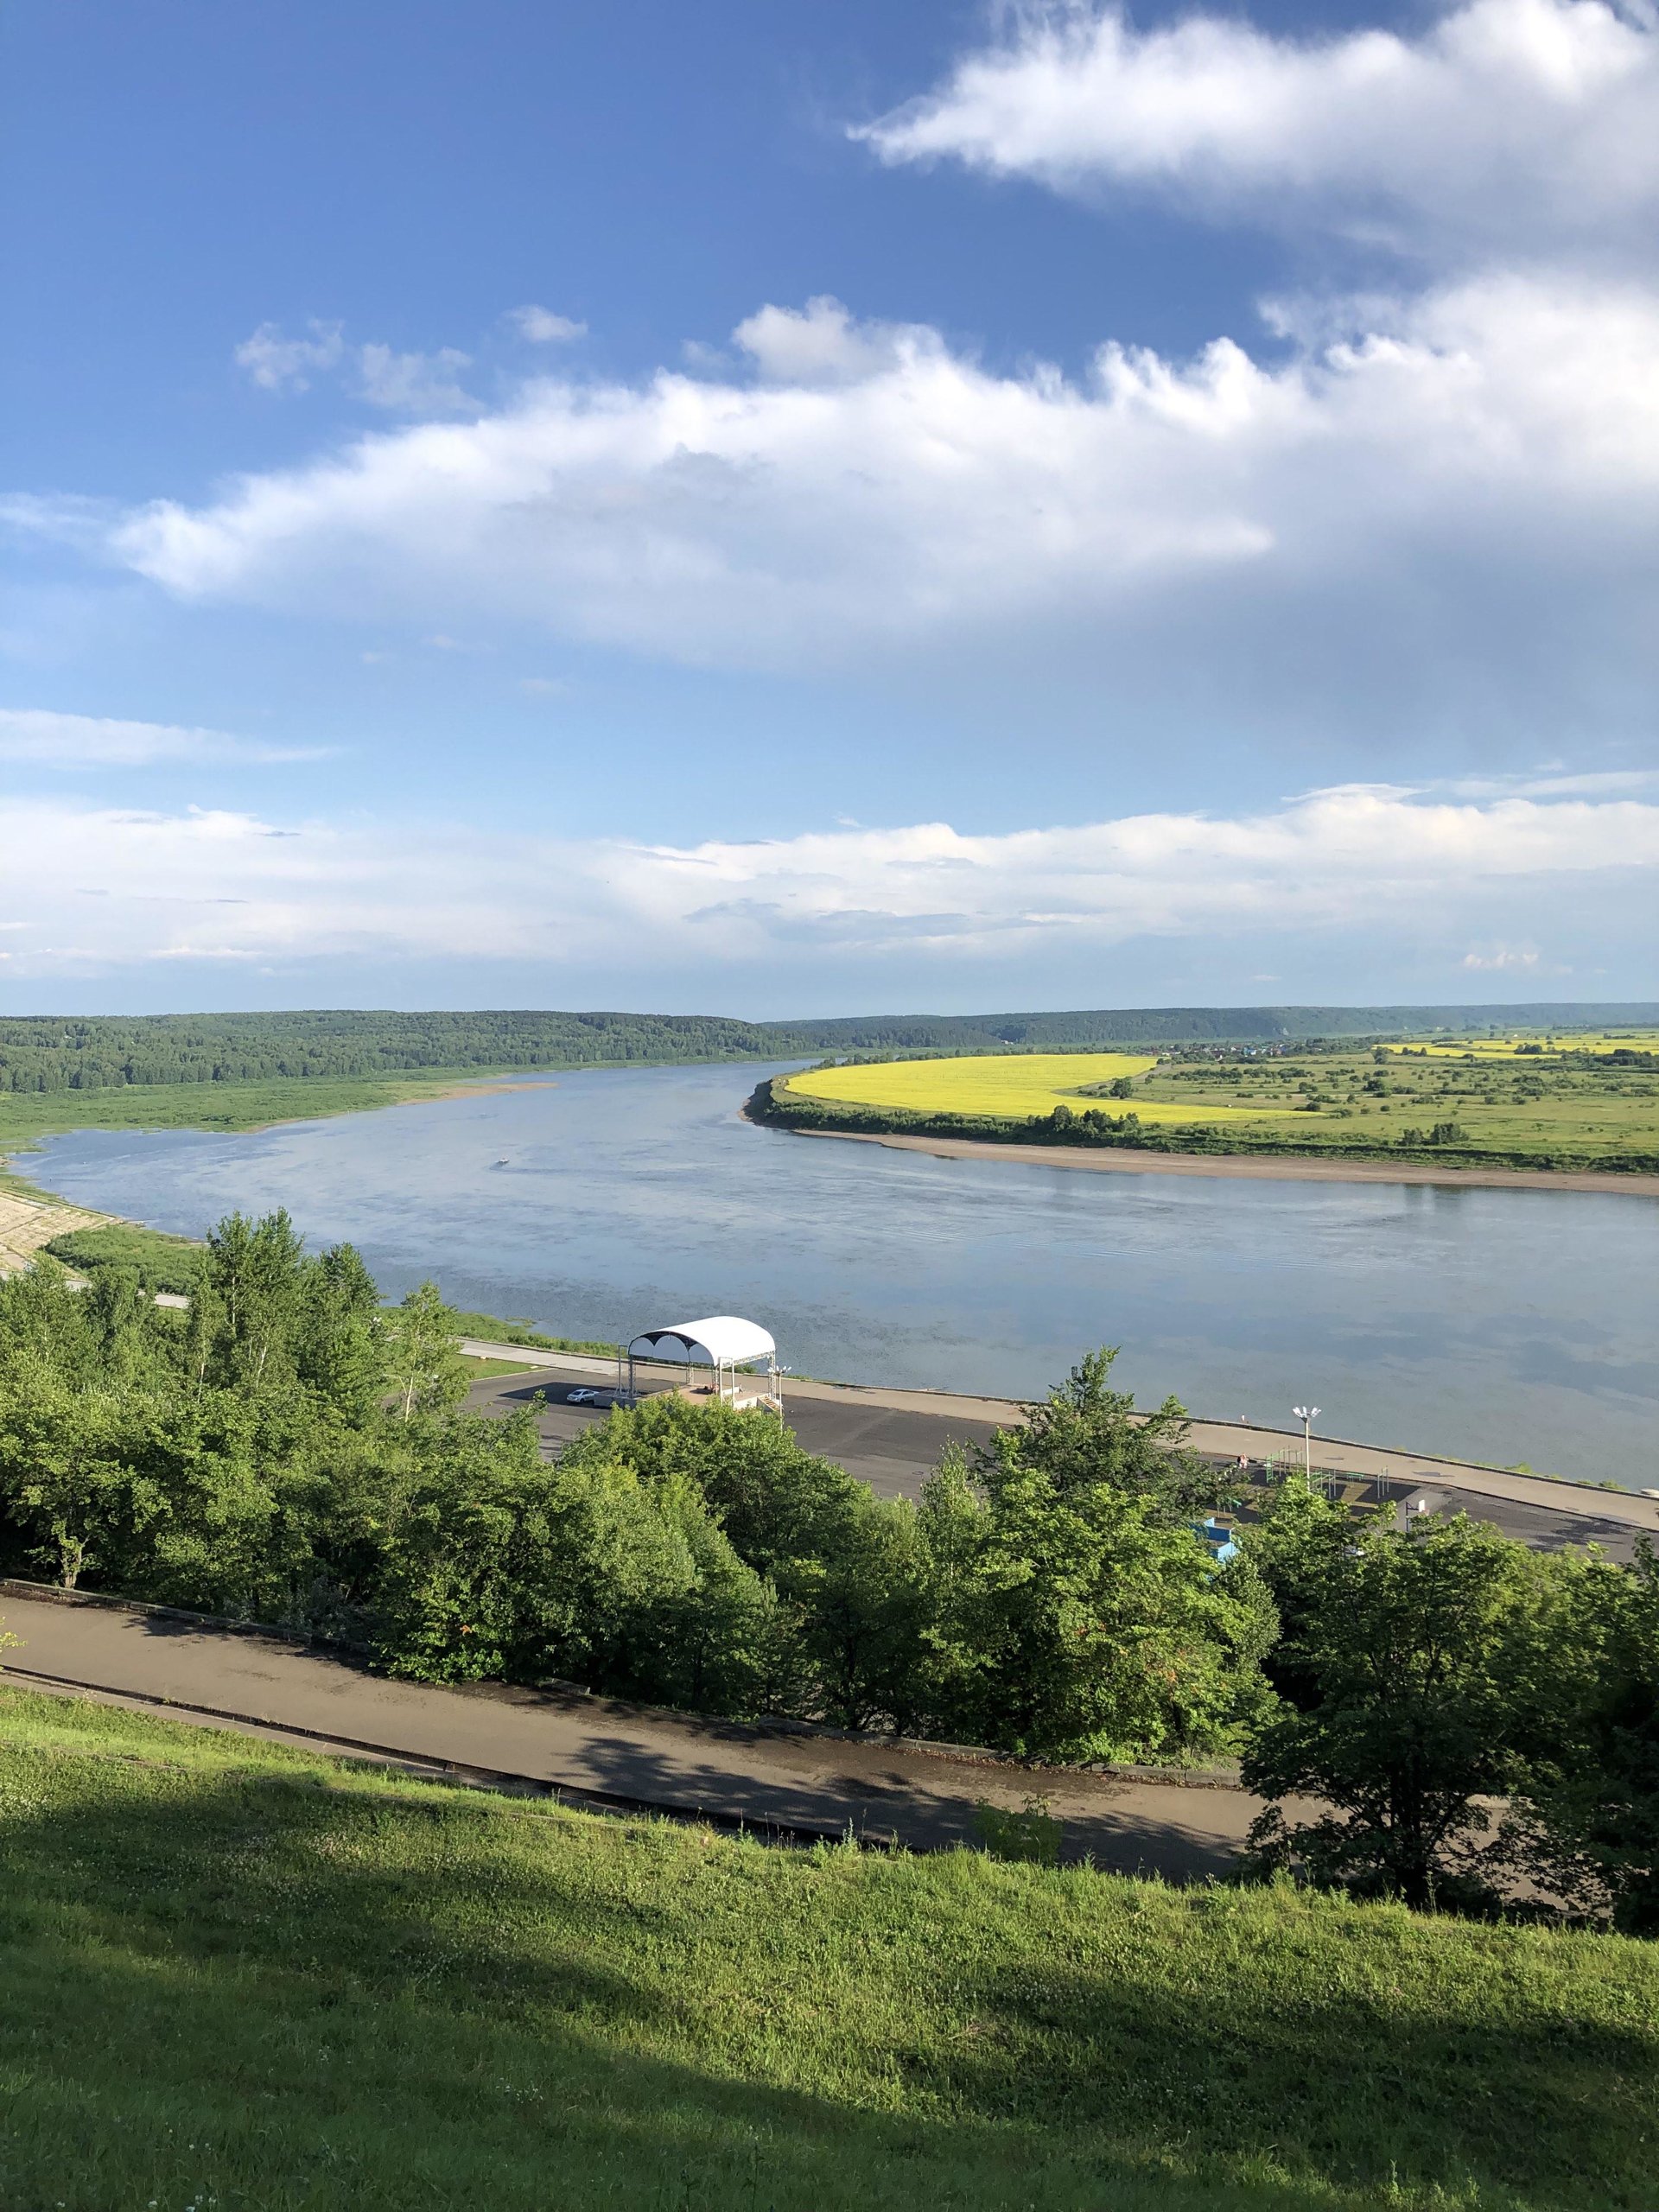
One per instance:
[(1291, 1167)]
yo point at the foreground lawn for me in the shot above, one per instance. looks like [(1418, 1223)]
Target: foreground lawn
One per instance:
[(240, 1977)]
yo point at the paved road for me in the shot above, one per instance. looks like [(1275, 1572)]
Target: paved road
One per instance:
[(595, 1748), (893, 1440)]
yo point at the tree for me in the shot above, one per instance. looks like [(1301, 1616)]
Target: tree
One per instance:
[(1592, 1789), (64, 1481), (1417, 1662), (423, 1362), (1297, 1546), (255, 1278), (1097, 1624), (862, 1606), (1086, 1433), (340, 1346)]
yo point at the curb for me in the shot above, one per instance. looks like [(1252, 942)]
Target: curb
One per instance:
[(503, 1779), (779, 1725)]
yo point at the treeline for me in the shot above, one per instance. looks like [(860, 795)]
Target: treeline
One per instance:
[(285, 1451), (50, 1055), (43, 1054)]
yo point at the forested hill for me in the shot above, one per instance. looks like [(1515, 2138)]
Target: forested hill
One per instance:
[(45, 1054)]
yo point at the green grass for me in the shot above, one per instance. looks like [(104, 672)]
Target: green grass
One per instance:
[(241, 1977), (1567, 1106), (161, 1262), (1545, 1109), (480, 1370), (490, 1328), (28, 1116)]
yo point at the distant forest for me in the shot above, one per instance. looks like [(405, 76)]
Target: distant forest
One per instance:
[(46, 1053)]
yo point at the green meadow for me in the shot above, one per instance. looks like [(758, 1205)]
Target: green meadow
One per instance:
[(248, 1978), (28, 1116), (1561, 1102)]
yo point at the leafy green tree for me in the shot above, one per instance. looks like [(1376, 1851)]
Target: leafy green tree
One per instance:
[(66, 1490), (255, 1276), (1417, 1662), (207, 1477), (1591, 1788), (953, 1524), (1100, 1625), (722, 1641), (862, 1600), (1087, 1433), (501, 1567), (1297, 1546), (339, 1342), (42, 1318), (776, 1502), (423, 1362)]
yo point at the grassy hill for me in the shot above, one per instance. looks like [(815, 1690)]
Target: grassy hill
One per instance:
[(242, 1978)]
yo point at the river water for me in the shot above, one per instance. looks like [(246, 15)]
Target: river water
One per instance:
[(1500, 1325)]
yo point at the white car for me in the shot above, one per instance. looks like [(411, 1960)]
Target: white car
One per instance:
[(584, 1396)]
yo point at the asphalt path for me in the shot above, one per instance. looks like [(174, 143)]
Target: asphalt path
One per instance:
[(598, 1751), (892, 1440)]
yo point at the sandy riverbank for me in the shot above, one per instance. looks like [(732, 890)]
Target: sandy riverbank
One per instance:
[(1256, 1167)]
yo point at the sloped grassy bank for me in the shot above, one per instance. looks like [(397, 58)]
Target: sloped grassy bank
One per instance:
[(245, 1977), (774, 1104)]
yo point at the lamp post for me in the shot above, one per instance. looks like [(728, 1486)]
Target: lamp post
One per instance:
[(1307, 1415)]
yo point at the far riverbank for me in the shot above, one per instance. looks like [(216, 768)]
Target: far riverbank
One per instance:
[(1289, 1168)]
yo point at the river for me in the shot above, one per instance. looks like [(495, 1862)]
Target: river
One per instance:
[(1499, 1326)]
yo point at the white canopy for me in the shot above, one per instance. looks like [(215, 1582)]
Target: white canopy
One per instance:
[(721, 1340)]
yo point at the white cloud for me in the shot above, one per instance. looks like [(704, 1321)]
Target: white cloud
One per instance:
[(1470, 480), (823, 345), (1504, 958), (1513, 123), (224, 885), (403, 383), (279, 364), (43, 738), (413, 383), (543, 328)]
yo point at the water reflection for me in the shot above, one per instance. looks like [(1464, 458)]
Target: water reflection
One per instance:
[(1501, 1325)]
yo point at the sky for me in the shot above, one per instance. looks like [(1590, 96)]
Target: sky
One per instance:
[(783, 507)]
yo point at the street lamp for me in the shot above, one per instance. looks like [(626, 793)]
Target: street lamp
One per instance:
[(1307, 1415)]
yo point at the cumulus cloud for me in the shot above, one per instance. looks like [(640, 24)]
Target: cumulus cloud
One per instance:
[(823, 345), (1466, 480), (227, 886), (543, 328), (1513, 124), (41, 738)]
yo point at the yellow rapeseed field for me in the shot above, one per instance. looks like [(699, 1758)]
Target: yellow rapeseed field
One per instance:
[(1556, 1040), (1011, 1084)]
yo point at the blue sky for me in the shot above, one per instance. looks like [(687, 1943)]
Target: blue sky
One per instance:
[(827, 508)]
